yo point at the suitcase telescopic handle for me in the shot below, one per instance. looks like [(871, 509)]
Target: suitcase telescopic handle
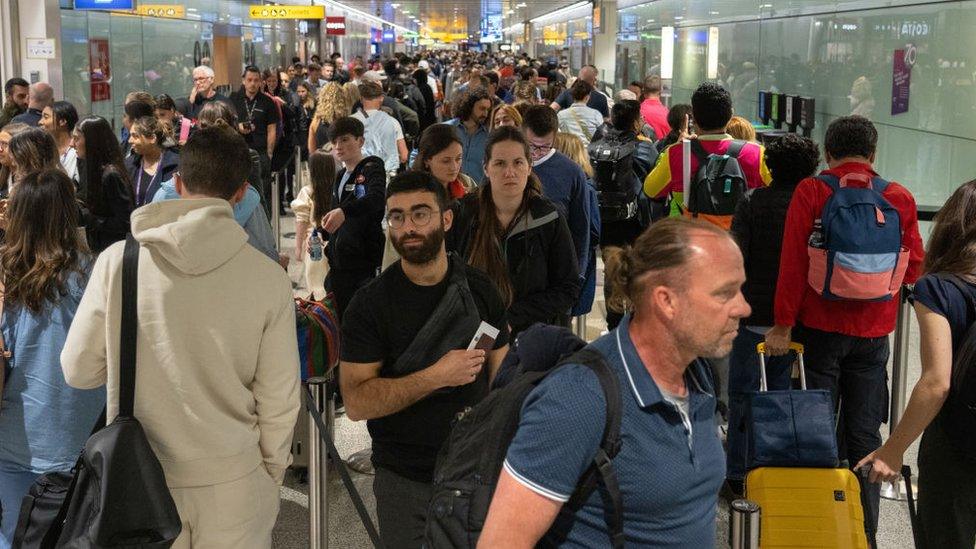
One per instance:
[(796, 348)]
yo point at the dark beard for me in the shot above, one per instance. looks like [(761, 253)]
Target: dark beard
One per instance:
[(426, 253)]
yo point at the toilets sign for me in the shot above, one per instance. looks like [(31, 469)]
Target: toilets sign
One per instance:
[(287, 12)]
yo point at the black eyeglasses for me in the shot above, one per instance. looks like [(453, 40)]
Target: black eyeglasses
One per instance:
[(421, 218)]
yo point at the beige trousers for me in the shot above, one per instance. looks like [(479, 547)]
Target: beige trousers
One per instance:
[(239, 514)]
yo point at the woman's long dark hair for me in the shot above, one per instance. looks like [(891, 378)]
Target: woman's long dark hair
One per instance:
[(952, 244), (486, 245), (322, 173), (102, 155), (435, 139), (41, 247)]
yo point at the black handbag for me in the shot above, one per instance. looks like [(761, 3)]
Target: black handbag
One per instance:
[(117, 496)]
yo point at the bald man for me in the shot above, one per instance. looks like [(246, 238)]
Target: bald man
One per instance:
[(598, 100), (40, 95)]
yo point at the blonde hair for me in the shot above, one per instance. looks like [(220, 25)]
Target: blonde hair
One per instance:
[(511, 111), (333, 103), (352, 93), (572, 146), (741, 129)]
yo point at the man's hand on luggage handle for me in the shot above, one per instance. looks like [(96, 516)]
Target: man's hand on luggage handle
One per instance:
[(778, 340)]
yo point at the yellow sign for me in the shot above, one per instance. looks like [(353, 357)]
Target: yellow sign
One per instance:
[(287, 12), (162, 10)]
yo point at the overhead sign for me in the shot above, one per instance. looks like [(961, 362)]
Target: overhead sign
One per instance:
[(287, 12), (105, 4), (389, 36), (335, 26), (41, 48), (162, 10)]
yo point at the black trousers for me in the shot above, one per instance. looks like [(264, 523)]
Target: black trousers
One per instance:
[(401, 509), (946, 493), (343, 283), (855, 370)]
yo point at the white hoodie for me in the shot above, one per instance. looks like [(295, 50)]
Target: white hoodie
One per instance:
[(217, 355)]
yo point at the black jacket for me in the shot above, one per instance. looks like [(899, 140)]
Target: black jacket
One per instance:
[(358, 243), (541, 261), (758, 224), (168, 164), (106, 220)]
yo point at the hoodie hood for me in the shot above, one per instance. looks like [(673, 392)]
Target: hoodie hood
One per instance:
[(196, 236)]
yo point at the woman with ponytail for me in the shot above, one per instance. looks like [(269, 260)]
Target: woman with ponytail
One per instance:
[(515, 235)]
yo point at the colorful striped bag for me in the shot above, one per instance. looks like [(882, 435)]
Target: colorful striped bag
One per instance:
[(318, 336)]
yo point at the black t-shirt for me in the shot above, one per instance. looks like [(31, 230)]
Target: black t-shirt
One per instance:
[(378, 329), (199, 103), (261, 111)]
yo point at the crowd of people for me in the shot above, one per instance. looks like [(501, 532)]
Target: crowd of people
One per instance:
[(451, 191)]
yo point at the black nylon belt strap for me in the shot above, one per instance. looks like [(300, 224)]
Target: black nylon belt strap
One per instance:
[(601, 471), (129, 328)]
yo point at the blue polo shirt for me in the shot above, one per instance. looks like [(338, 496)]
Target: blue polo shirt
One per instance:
[(669, 478), (473, 145)]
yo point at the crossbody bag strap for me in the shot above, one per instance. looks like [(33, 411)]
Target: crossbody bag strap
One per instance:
[(129, 327)]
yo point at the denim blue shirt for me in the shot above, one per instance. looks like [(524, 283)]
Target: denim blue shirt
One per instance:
[(473, 160), (43, 422), (669, 478)]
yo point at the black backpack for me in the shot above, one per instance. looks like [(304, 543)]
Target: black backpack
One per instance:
[(719, 183), (959, 411), (613, 175), (471, 459), (116, 495)]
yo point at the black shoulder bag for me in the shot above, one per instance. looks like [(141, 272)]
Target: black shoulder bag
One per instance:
[(117, 496)]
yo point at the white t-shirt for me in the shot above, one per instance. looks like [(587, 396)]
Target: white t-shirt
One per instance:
[(69, 161), (382, 134), (580, 120)]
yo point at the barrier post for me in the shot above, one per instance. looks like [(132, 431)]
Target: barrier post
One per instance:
[(899, 383), (297, 180), (580, 322), (276, 207), (744, 524), (318, 505)]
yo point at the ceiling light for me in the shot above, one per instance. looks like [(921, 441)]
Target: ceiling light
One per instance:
[(561, 11), (394, 6), (650, 20), (360, 13), (510, 12), (713, 12), (679, 17)]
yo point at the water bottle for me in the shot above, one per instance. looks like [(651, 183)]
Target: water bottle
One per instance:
[(315, 247), (817, 236)]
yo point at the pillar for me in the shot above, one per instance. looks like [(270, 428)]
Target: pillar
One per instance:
[(605, 42)]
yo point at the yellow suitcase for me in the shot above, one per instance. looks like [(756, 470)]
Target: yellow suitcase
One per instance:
[(807, 507)]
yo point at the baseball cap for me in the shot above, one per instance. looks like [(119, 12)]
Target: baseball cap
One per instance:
[(374, 76), (423, 64)]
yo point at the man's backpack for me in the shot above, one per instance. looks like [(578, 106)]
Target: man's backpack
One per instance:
[(959, 411), (855, 249), (718, 185), (471, 459), (613, 175)]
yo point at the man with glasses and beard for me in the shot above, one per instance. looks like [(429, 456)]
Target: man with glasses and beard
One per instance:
[(405, 367)]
